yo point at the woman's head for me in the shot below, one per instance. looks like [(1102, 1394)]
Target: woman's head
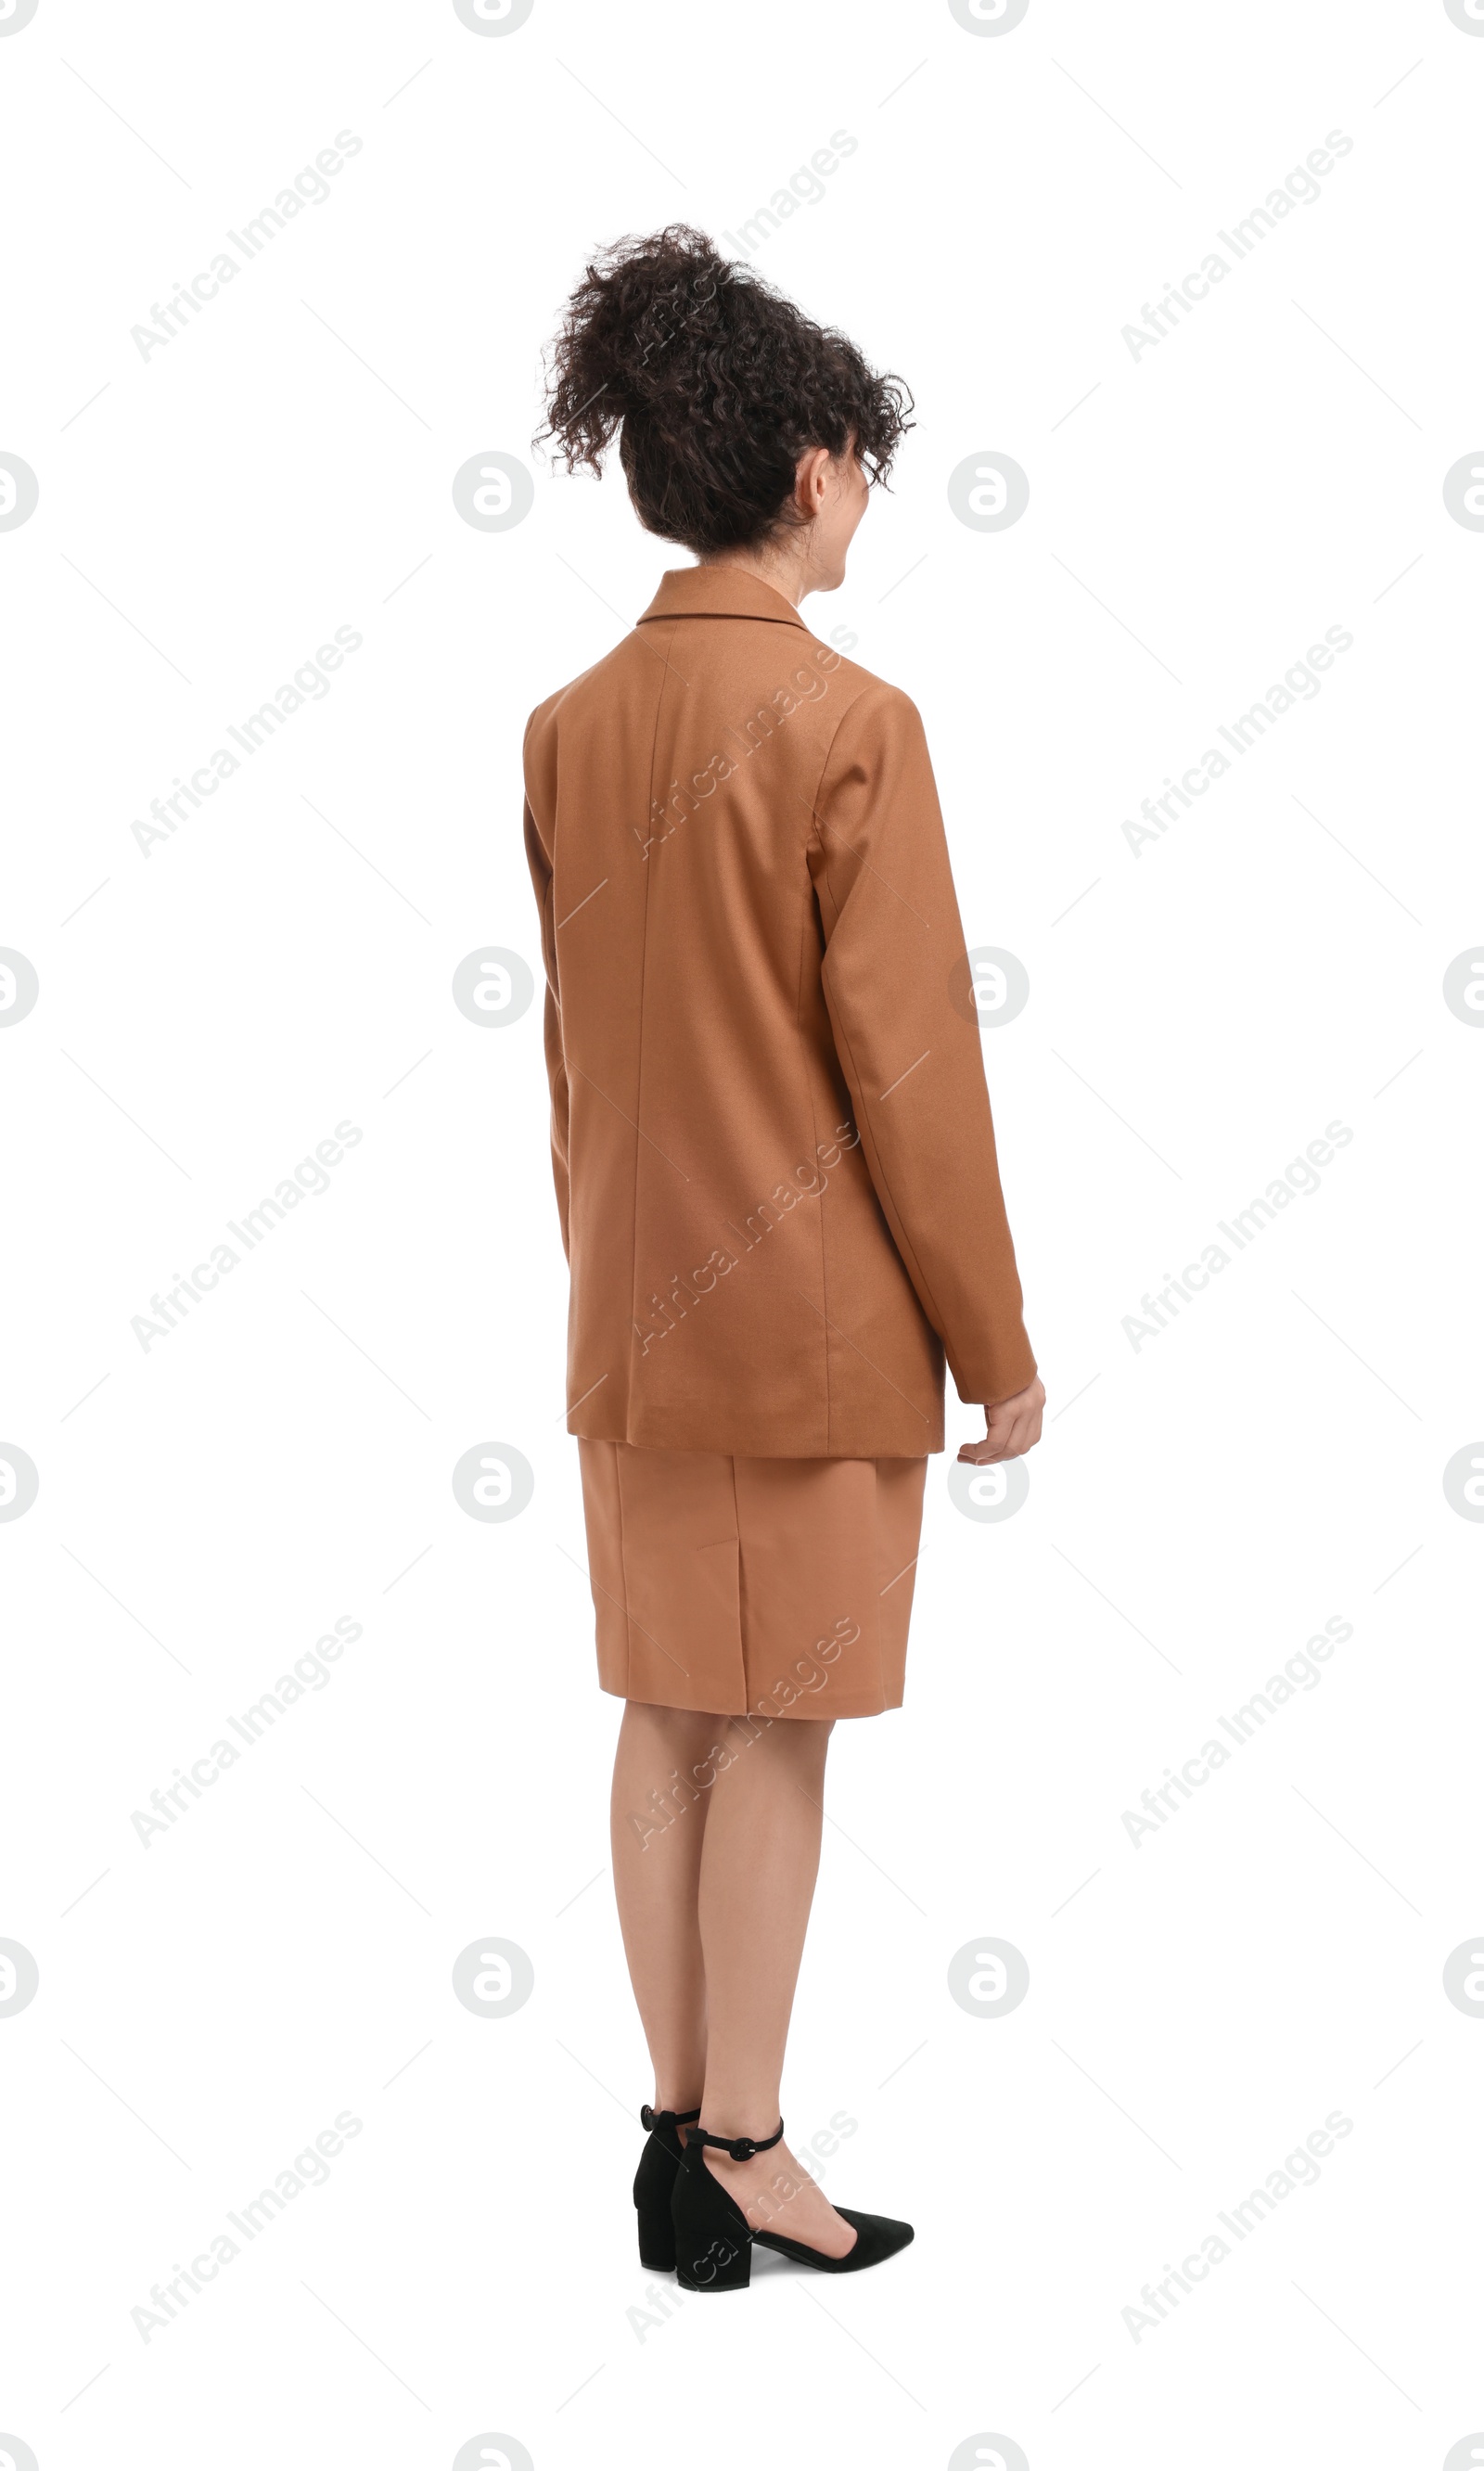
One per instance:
[(739, 419)]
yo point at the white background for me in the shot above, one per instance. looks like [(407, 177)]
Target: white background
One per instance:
[(1200, 1506)]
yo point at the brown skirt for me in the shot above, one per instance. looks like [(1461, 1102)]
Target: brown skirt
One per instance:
[(779, 1586)]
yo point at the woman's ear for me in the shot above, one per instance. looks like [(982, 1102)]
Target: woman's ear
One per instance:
[(810, 480)]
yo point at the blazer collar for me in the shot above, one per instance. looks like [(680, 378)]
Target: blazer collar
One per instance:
[(719, 592)]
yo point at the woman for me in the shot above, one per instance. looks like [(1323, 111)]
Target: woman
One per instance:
[(776, 1178)]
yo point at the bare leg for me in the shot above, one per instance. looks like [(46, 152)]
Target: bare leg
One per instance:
[(657, 1827), (759, 1856)]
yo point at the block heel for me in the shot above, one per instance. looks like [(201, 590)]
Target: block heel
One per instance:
[(654, 2183), (713, 2242), (656, 2239)]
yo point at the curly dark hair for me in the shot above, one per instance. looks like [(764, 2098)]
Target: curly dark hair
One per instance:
[(718, 383)]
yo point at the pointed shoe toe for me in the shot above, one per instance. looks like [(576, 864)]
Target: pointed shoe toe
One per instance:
[(877, 2237)]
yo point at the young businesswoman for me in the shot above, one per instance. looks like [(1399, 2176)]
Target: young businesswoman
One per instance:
[(776, 1180)]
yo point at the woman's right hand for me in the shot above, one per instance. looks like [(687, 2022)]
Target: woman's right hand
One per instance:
[(1010, 1429)]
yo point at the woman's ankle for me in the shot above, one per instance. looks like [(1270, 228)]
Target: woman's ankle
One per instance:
[(680, 2102), (739, 2115)]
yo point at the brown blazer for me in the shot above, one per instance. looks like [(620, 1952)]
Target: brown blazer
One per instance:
[(770, 1135)]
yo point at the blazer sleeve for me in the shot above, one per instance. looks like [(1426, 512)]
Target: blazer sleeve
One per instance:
[(894, 963), (540, 867)]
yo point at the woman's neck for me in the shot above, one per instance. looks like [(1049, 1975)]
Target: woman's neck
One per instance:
[(792, 576)]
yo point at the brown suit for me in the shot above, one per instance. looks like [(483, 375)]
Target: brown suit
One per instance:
[(770, 1135)]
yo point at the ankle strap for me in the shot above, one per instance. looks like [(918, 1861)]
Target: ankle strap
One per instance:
[(742, 2149), (653, 2119)]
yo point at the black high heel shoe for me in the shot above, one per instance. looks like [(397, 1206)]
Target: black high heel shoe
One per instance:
[(714, 2240), (654, 2183)]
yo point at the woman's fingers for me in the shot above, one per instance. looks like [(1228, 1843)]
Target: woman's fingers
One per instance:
[(1010, 1429)]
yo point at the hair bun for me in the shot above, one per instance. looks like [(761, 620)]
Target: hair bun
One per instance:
[(718, 383)]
